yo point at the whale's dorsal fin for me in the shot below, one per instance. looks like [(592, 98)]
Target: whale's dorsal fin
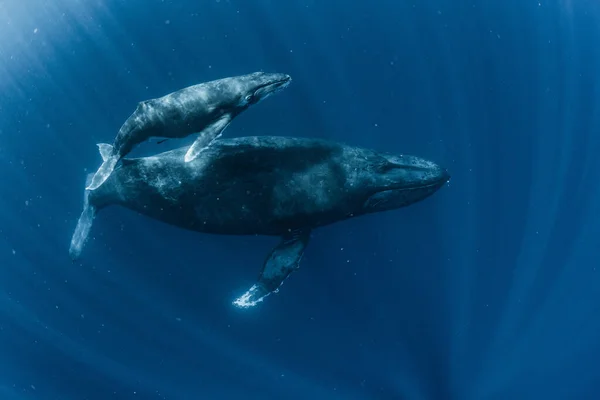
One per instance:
[(283, 260), (142, 104), (211, 133)]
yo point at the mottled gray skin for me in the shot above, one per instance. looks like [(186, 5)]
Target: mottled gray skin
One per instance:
[(192, 109), (267, 185), (206, 109), (263, 186)]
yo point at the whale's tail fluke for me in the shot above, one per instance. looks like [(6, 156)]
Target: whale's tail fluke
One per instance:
[(109, 161), (83, 225)]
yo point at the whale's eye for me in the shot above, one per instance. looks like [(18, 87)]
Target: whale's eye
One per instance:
[(249, 98)]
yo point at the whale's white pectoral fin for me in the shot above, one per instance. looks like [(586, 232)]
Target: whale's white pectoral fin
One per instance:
[(283, 260), (252, 297), (207, 136)]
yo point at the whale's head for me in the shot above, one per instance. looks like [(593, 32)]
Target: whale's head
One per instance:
[(250, 89), (399, 181)]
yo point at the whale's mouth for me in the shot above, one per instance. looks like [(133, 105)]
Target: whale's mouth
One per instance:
[(422, 179), (405, 194), (274, 86), (269, 88)]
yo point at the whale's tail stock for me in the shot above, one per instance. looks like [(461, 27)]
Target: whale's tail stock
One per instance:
[(84, 224)]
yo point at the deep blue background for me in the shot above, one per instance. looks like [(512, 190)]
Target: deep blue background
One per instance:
[(488, 290)]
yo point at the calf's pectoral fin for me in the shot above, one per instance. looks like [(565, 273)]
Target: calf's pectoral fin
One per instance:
[(211, 133), (283, 260)]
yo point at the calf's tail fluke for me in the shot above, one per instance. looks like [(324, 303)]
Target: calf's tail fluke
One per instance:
[(83, 225), (109, 160)]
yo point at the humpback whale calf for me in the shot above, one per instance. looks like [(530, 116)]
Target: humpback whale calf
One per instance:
[(278, 186), (205, 109)]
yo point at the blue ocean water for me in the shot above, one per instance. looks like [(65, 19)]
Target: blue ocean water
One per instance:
[(490, 289)]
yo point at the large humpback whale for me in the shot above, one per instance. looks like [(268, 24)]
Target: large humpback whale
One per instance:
[(205, 109), (277, 186)]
